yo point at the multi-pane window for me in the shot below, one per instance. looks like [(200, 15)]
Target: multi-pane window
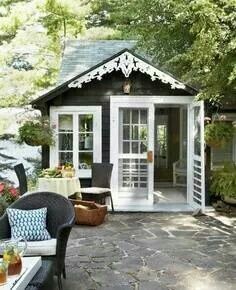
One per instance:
[(135, 131), (78, 138)]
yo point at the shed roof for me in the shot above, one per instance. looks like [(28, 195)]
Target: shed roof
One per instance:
[(80, 55)]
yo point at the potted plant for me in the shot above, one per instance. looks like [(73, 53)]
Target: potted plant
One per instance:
[(8, 194), (223, 183), (219, 133), (37, 132)]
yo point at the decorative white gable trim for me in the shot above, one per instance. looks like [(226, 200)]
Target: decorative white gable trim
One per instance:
[(126, 62)]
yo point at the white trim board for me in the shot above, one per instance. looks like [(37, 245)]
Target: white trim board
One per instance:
[(132, 100)]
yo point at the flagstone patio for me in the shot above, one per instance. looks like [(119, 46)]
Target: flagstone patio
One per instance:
[(153, 251)]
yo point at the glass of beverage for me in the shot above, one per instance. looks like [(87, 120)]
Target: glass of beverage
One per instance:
[(3, 272)]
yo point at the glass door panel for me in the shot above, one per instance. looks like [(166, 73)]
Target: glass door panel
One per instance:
[(197, 190), (65, 138), (85, 139), (133, 146)]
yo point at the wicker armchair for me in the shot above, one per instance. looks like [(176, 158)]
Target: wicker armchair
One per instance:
[(60, 220)]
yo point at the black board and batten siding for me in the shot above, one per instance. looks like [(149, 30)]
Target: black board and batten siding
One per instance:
[(97, 93)]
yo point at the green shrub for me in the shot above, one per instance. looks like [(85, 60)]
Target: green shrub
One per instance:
[(8, 194), (223, 181)]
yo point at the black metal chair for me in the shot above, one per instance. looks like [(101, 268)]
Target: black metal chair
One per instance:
[(20, 173), (60, 220), (101, 183)]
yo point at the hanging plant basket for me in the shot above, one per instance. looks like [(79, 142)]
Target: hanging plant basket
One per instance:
[(218, 134), (37, 132), (217, 144)]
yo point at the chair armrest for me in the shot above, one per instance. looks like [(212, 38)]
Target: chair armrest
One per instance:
[(175, 164), (5, 230), (62, 239)]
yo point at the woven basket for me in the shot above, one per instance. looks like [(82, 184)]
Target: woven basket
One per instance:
[(89, 213), (68, 173)]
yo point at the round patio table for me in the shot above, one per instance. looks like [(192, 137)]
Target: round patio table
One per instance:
[(62, 186)]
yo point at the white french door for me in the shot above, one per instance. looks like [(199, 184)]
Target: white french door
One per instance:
[(196, 156), (132, 139), (78, 137)]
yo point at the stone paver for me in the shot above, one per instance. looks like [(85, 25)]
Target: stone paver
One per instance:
[(152, 251)]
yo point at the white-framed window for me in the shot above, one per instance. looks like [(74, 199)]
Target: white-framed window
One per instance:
[(78, 137)]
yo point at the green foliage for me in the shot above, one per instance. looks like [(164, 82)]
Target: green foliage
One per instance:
[(218, 134), (8, 194), (194, 40), (63, 18), (32, 177), (3, 205), (37, 132), (32, 37), (223, 181)]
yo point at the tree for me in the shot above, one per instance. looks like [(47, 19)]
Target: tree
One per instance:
[(194, 39), (64, 18), (31, 34)]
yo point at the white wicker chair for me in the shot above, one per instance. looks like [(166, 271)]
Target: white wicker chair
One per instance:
[(180, 173)]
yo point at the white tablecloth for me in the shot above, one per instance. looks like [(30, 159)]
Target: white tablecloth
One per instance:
[(63, 186)]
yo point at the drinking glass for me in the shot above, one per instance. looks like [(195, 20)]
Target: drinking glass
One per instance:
[(3, 272)]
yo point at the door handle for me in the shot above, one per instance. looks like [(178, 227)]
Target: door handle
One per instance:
[(149, 156)]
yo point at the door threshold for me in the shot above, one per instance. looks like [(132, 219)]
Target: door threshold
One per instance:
[(163, 207)]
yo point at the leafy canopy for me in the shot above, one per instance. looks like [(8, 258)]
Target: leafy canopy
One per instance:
[(32, 37), (194, 39)]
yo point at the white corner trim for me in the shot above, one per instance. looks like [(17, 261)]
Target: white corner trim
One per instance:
[(126, 63)]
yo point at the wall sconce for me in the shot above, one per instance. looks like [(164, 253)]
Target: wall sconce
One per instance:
[(126, 86)]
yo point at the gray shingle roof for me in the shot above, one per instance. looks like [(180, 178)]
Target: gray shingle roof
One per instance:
[(81, 55)]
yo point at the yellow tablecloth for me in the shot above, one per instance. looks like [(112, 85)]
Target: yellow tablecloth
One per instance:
[(63, 186)]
